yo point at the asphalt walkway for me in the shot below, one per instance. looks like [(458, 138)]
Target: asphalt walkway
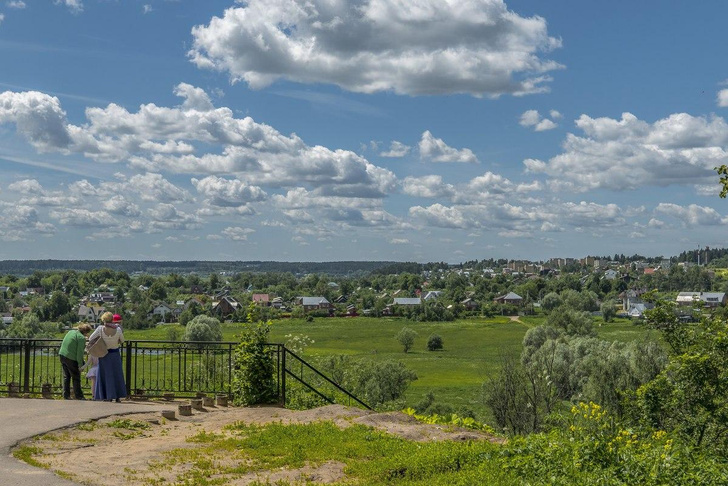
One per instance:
[(22, 418)]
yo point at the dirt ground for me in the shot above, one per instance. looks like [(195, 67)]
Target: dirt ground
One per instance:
[(95, 455)]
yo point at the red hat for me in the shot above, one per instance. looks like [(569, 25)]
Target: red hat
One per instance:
[(116, 318)]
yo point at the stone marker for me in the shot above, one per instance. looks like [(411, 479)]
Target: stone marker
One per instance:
[(200, 394), (196, 403), (221, 400), (169, 414), (185, 410), (168, 396)]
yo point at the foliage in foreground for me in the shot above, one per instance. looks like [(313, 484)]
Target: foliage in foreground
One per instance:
[(590, 449), (253, 368)]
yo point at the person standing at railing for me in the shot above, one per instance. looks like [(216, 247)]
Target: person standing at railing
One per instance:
[(71, 353), (110, 376)]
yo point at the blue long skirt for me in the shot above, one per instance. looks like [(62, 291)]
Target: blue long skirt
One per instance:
[(110, 378)]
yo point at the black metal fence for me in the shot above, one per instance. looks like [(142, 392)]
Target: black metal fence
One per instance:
[(151, 368), (161, 369)]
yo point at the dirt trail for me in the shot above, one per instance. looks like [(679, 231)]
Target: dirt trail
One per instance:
[(97, 454)]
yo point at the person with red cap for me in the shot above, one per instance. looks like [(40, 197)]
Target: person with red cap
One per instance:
[(110, 383)]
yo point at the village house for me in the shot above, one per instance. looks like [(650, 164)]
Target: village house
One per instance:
[(313, 303), (510, 298), (709, 299), (263, 300), (226, 306)]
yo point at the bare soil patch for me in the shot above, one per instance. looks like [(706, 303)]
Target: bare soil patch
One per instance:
[(97, 454)]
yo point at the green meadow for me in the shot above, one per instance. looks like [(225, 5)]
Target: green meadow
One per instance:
[(472, 352)]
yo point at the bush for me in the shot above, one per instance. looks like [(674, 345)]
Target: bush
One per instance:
[(434, 342), (253, 368)]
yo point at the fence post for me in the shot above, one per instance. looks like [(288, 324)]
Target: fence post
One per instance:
[(128, 368), (26, 368), (282, 350)]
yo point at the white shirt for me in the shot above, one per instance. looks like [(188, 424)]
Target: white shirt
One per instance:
[(112, 341)]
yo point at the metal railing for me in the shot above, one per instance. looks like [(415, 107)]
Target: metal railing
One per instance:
[(161, 369)]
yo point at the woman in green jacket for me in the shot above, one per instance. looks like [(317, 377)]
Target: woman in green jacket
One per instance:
[(71, 353)]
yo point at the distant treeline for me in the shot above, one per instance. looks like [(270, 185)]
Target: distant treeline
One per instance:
[(348, 268)]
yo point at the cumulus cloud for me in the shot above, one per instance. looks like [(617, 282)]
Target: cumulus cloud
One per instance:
[(17, 4), (147, 9), (154, 187), (2, 17), (121, 206), (723, 98), (692, 215), (26, 186), (436, 150), (75, 6), (225, 192), (629, 153), (237, 233), (38, 117), (396, 150), (532, 118), (167, 217), (478, 47), (83, 218), (427, 186)]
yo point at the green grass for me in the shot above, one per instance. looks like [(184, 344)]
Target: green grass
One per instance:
[(472, 348)]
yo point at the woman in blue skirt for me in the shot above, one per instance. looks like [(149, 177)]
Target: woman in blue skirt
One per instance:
[(110, 376)]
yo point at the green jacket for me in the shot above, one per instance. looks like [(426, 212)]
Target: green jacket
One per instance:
[(73, 346)]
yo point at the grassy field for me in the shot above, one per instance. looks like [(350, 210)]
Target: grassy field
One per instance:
[(472, 352)]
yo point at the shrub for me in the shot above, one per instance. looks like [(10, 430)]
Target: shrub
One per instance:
[(434, 342), (253, 368)]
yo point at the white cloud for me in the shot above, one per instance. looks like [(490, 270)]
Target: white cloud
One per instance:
[(121, 206), (154, 187), (147, 9), (168, 217), (83, 218), (427, 186), (723, 98), (26, 186), (399, 241), (380, 45), (532, 118), (436, 150), (629, 153), (17, 4), (156, 139), (75, 6), (555, 115), (225, 192), (396, 150), (2, 17), (236, 233), (692, 215), (38, 117)]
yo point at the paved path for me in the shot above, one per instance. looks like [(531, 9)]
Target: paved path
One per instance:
[(21, 418)]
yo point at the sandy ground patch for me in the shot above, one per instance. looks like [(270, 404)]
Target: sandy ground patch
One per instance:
[(97, 454)]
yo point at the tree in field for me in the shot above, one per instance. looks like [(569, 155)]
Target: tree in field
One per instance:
[(434, 342), (551, 301), (406, 337), (203, 328), (608, 311), (572, 322)]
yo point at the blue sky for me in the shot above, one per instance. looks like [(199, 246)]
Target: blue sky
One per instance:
[(372, 129)]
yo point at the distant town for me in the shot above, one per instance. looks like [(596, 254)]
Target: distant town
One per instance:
[(63, 292)]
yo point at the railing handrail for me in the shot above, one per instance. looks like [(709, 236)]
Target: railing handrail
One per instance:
[(27, 343), (312, 368)]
